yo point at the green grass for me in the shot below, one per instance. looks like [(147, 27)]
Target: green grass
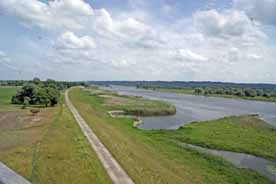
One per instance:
[(191, 92), (151, 157), (247, 134), (18, 141), (65, 156), (133, 105), (5, 97), (54, 151)]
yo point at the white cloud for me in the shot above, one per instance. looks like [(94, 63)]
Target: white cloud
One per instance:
[(5, 61), (210, 45), (57, 14), (259, 10), (188, 55), (229, 23), (69, 40)]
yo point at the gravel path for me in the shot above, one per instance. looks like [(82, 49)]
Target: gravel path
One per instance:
[(114, 170), (7, 176)]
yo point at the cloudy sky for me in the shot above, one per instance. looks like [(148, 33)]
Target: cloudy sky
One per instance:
[(214, 40)]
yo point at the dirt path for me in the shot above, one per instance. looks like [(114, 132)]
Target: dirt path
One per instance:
[(114, 170)]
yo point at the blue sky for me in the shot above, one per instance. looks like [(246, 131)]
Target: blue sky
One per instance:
[(214, 40)]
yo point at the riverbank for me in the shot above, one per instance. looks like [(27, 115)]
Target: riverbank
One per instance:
[(151, 157), (132, 105), (243, 134), (191, 92)]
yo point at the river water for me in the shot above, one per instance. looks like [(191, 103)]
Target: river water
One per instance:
[(191, 108), (199, 108)]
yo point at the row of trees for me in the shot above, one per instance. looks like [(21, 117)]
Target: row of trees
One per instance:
[(236, 91), (37, 92), (242, 92), (60, 85)]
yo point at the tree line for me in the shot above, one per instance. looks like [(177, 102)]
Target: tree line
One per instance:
[(234, 91), (241, 92), (37, 92)]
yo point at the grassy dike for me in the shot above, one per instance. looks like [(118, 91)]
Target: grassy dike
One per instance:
[(65, 156), (50, 151), (245, 134), (149, 156)]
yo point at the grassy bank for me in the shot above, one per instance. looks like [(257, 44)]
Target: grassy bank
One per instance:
[(247, 134), (150, 157), (132, 105), (191, 92), (65, 156), (46, 148)]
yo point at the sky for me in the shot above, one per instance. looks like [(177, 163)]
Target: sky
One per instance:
[(172, 40)]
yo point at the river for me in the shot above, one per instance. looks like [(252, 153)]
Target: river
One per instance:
[(200, 108), (191, 108)]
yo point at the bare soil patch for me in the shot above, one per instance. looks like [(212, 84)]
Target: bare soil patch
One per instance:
[(21, 119)]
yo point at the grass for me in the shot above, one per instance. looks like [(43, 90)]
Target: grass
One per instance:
[(191, 92), (247, 134), (151, 157), (19, 133), (5, 98), (132, 105), (65, 156), (51, 150)]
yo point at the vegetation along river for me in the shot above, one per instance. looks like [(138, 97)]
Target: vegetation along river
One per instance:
[(200, 108)]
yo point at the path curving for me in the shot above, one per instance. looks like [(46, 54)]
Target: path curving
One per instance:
[(112, 167)]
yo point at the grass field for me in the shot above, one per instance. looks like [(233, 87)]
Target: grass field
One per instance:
[(247, 134), (48, 148), (191, 92), (150, 157), (5, 98), (20, 133), (133, 105)]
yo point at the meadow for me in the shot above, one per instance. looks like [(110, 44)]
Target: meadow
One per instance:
[(46, 148), (151, 156)]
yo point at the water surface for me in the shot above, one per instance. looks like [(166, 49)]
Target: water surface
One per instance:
[(198, 108), (241, 160)]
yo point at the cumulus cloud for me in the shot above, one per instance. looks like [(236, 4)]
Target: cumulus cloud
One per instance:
[(69, 40), (57, 14), (263, 11), (209, 45), (188, 55), (230, 23)]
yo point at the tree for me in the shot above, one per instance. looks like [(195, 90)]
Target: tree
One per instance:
[(36, 81), (36, 95), (42, 97), (198, 90), (53, 95), (250, 92)]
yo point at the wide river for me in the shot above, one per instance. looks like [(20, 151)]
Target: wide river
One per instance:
[(191, 108), (199, 108)]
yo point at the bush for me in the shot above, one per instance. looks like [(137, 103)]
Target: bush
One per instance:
[(37, 94)]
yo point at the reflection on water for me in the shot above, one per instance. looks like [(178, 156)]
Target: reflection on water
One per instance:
[(241, 160), (198, 108)]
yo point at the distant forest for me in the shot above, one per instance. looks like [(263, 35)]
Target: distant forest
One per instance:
[(204, 88), (183, 84)]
